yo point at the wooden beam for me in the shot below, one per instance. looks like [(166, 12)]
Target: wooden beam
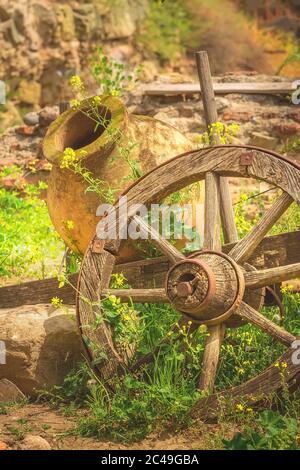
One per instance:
[(273, 251), (138, 295), (37, 292), (264, 88)]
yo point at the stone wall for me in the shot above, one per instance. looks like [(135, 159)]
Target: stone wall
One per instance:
[(43, 42)]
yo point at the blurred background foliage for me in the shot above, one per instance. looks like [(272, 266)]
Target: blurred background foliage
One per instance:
[(238, 34)]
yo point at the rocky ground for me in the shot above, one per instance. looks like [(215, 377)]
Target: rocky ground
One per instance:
[(269, 121), (265, 120)]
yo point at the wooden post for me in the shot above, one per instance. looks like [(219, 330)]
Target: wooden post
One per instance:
[(222, 207), (207, 91), (63, 106), (211, 116)]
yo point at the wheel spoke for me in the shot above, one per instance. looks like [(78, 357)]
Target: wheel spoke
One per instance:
[(211, 357), (248, 313), (265, 277), (212, 238), (163, 245), (227, 213), (139, 295), (244, 248)]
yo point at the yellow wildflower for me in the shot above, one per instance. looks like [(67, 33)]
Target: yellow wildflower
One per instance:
[(76, 82), (70, 224), (56, 301), (97, 100), (75, 103), (115, 93), (69, 157)]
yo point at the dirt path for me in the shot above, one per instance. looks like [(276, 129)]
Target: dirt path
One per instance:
[(58, 430)]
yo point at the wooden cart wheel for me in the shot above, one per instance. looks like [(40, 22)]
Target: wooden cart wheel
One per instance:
[(217, 286)]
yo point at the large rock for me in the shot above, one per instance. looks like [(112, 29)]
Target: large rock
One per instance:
[(41, 346)]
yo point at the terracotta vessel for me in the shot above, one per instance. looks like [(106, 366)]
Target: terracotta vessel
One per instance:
[(152, 142)]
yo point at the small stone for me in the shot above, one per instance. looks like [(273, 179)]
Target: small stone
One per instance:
[(34, 47), (295, 115), (287, 129), (237, 116), (161, 116), (186, 111), (262, 140), (269, 115), (222, 104), (31, 119), (3, 446), (47, 116), (25, 130), (31, 442)]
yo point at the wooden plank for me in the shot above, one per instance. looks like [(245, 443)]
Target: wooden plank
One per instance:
[(264, 88), (273, 251), (254, 393), (37, 292)]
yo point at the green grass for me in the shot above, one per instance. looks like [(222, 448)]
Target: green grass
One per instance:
[(268, 430), (161, 395), (29, 245)]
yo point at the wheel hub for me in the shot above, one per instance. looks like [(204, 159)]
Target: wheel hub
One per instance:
[(207, 287)]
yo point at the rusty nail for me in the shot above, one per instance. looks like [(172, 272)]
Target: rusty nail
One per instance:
[(246, 158), (97, 246)]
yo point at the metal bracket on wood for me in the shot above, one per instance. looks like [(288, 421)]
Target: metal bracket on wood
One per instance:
[(246, 159), (97, 245)]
